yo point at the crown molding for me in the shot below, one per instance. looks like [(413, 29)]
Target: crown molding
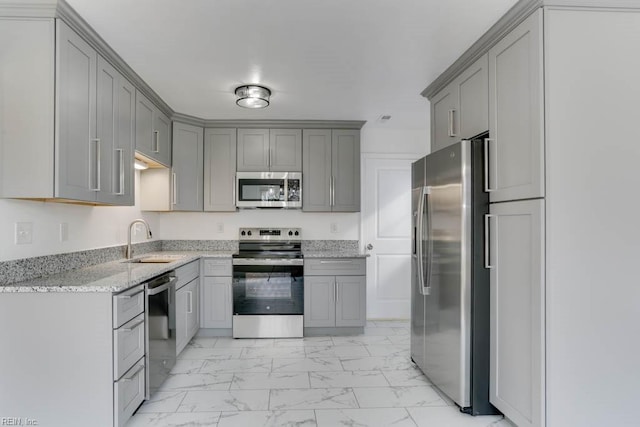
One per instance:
[(298, 124)]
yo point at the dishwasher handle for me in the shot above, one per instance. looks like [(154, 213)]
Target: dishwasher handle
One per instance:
[(160, 285)]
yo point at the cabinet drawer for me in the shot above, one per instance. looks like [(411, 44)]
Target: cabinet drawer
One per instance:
[(127, 305), (335, 267), (128, 345), (187, 273), (128, 393), (217, 267)]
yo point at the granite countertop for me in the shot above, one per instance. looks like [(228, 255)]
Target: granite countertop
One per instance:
[(334, 253), (114, 276)]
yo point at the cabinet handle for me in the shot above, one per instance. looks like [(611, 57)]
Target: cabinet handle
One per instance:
[(270, 157), (487, 171), (97, 167), (120, 174), (132, 376), (335, 290), (190, 302), (156, 141), (487, 239), (175, 188), (129, 296), (332, 191), (131, 328), (452, 131), (235, 182)]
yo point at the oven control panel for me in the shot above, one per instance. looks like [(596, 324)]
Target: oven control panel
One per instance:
[(269, 234)]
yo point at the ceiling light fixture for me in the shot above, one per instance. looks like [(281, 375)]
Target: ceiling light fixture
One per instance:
[(140, 165), (252, 96)]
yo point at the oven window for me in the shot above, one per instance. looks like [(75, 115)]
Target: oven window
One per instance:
[(265, 190), (268, 290)]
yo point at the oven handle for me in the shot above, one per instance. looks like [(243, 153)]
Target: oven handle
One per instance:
[(267, 261)]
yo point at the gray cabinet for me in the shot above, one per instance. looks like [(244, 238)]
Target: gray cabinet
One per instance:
[(187, 303), (115, 132), (461, 110), (331, 170), (153, 139), (516, 148), (216, 295), (219, 169), (187, 168), (335, 292), (263, 150), (517, 310)]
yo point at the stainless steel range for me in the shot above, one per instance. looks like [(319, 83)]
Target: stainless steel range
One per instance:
[(268, 284)]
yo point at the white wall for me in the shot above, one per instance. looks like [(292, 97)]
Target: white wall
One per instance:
[(89, 227)]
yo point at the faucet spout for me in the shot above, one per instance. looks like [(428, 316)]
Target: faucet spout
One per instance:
[(134, 222)]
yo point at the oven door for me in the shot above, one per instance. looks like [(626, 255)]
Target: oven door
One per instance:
[(267, 287)]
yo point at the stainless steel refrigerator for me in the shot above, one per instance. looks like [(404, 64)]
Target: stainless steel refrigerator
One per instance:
[(450, 285)]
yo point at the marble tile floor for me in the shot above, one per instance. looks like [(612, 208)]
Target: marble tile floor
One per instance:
[(364, 380)]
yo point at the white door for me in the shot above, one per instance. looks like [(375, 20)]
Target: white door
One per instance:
[(386, 226)]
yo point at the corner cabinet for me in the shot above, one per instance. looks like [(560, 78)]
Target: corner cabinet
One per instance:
[(179, 188), (269, 150), (331, 170), (67, 138), (220, 170), (153, 127), (335, 293)]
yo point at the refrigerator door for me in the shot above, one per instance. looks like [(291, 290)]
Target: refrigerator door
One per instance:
[(417, 298), (447, 305)]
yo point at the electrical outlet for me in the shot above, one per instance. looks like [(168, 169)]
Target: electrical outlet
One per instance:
[(220, 227), (64, 231), (24, 233), (333, 227)]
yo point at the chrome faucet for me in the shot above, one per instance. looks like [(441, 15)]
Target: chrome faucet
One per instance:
[(134, 222)]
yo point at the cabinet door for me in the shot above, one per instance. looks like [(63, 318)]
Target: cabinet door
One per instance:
[(345, 169), (444, 118), (182, 303), (517, 311), (216, 304), (220, 170), (145, 137), (316, 170), (115, 127), (187, 168), (193, 308), (253, 150), (77, 149), (473, 98), (319, 301), (162, 129), (516, 150), (285, 150), (351, 301)]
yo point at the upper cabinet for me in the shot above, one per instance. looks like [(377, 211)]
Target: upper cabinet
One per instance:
[(219, 169), (153, 139), (69, 137), (264, 150), (461, 110), (181, 187), (516, 148), (331, 170)]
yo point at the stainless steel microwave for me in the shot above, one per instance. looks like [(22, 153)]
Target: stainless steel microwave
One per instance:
[(269, 190)]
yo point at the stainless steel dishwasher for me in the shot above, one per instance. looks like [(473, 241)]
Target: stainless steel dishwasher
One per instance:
[(160, 316)]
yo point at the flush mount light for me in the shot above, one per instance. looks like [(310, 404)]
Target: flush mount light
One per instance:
[(140, 165), (252, 96)]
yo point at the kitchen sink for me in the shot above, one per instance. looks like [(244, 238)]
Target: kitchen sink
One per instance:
[(157, 259)]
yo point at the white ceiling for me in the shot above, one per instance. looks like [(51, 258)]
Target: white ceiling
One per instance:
[(322, 59)]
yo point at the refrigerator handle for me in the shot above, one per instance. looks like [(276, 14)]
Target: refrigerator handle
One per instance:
[(426, 284), (424, 197)]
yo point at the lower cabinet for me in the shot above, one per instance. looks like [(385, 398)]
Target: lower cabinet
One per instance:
[(332, 300), (517, 381), (187, 313), (216, 295)]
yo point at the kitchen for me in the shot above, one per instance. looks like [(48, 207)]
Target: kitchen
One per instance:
[(579, 271)]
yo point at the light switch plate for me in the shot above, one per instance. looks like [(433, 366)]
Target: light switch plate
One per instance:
[(64, 231), (24, 233), (334, 227), (220, 227)]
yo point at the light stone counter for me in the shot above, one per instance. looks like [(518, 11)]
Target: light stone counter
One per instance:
[(115, 276)]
